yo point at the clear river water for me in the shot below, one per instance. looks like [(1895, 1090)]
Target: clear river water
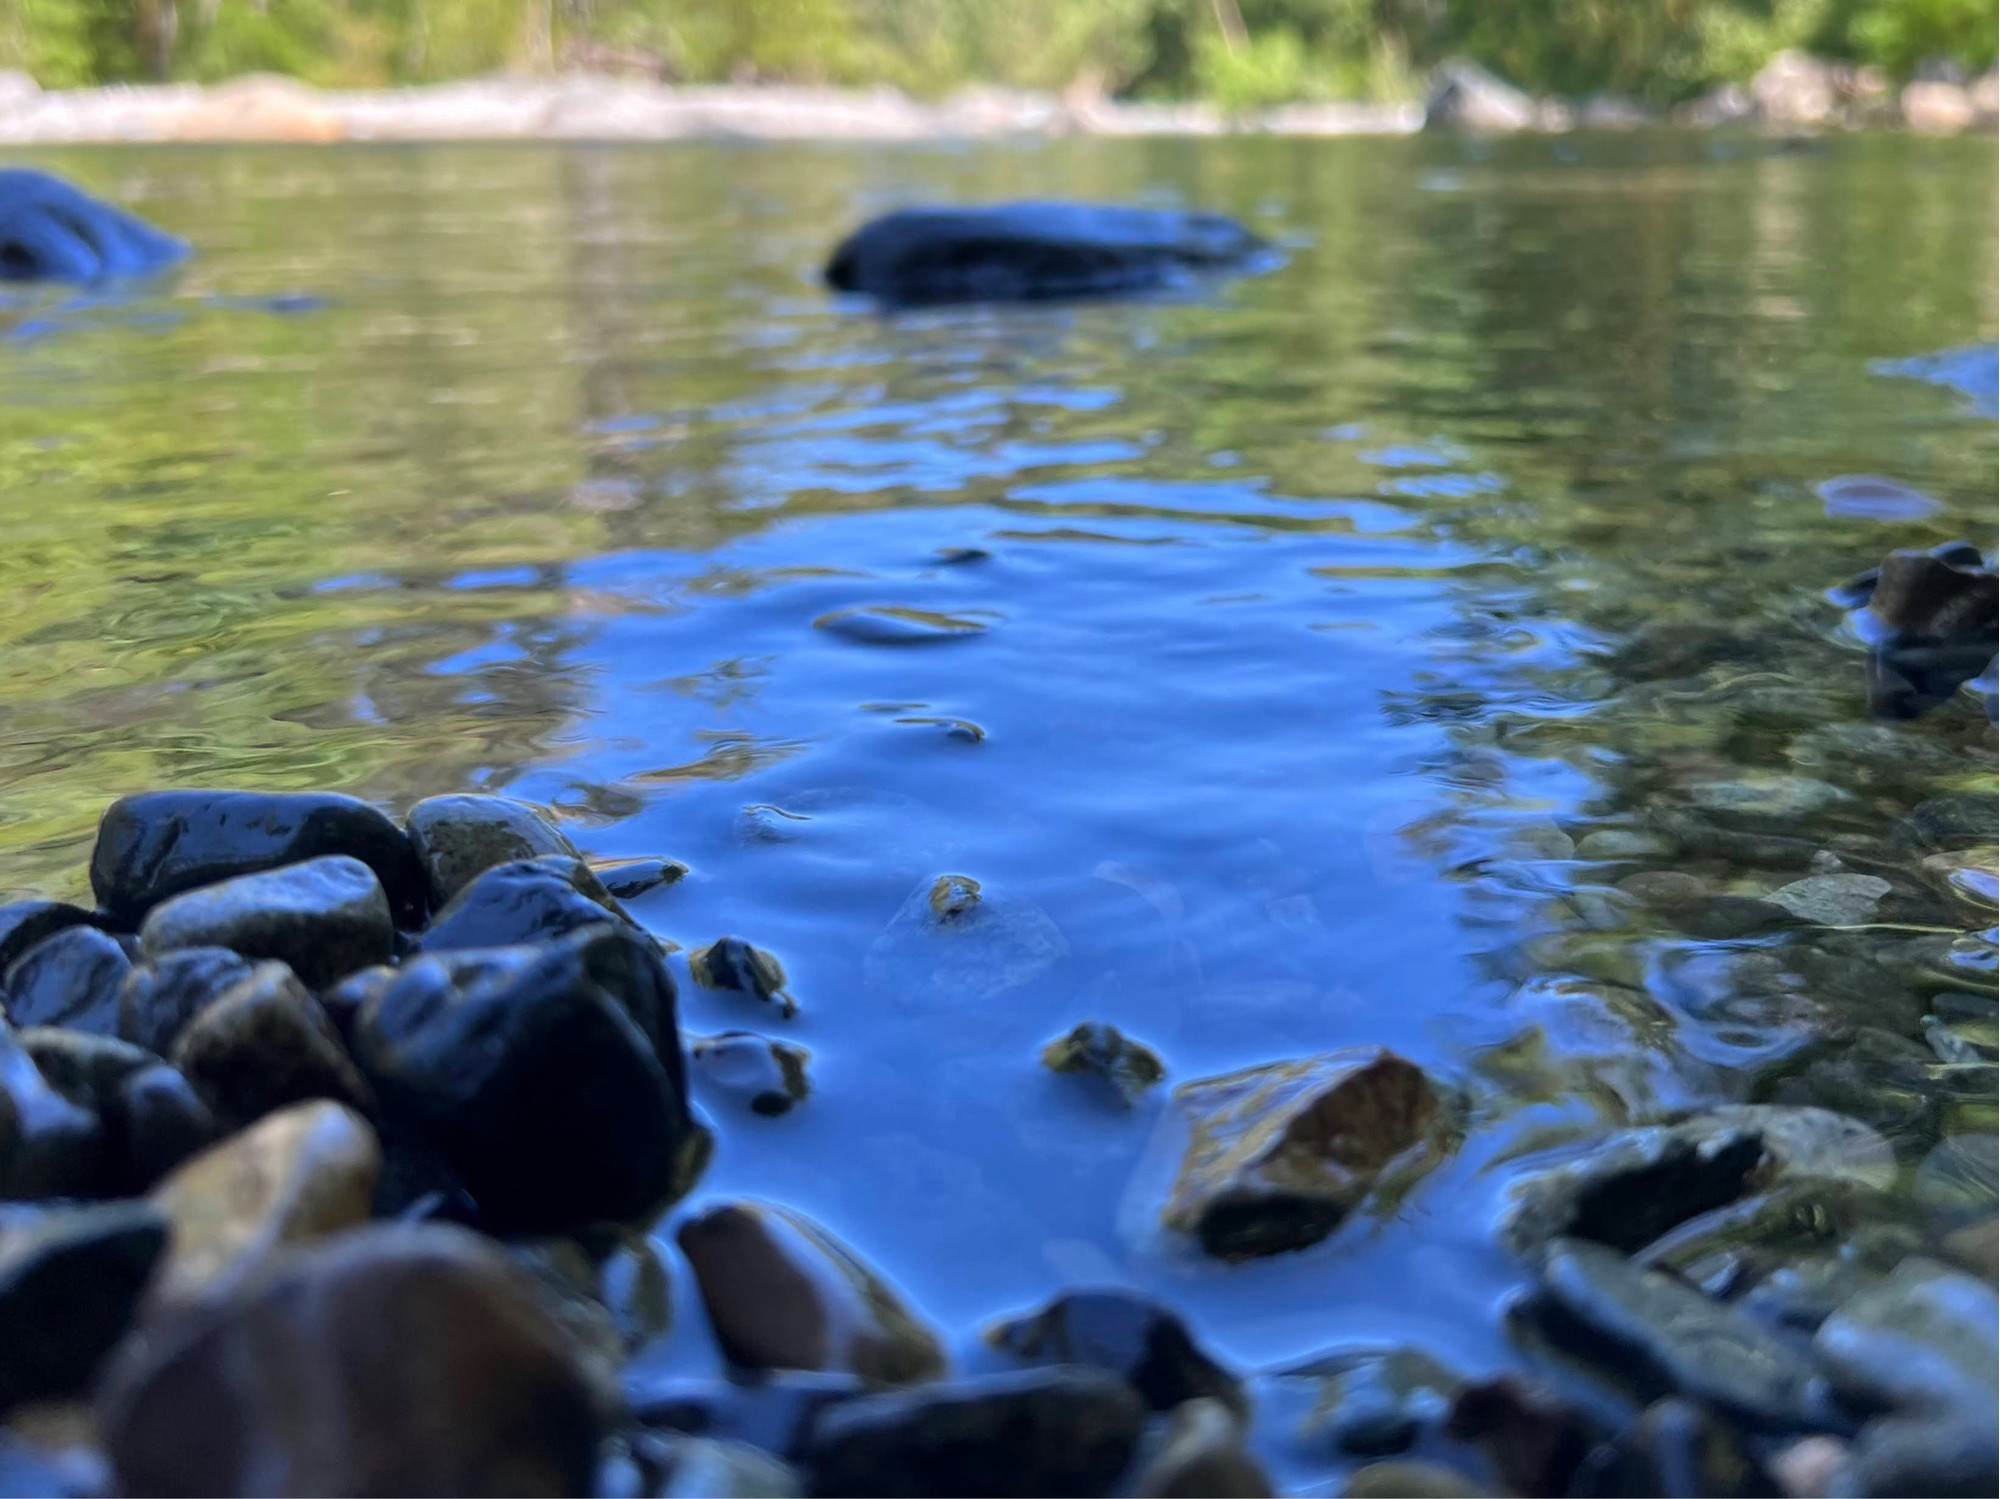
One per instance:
[(1308, 660)]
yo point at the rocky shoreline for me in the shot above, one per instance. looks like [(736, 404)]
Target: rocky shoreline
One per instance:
[(1794, 92), (331, 1145)]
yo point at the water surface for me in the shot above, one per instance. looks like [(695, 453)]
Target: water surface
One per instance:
[(1271, 656)]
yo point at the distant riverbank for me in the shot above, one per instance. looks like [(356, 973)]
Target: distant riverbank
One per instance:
[(1794, 92)]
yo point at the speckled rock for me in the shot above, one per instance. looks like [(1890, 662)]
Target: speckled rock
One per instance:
[(783, 1293), (734, 966), (550, 1079), (49, 1147), (521, 902), (1139, 1340), (767, 1077), (459, 837), (1278, 1155), (155, 845), (1202, 1457), (389, 1360), (159, 998), (1046, 1431), (1668, 1338), (325, 918), (296, 1175), (265, 1044), (69, 979), (70, 1282), (1102, 1051)]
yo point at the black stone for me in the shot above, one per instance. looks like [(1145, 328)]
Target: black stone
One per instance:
[(159, 998), (772, 1411), (1675, 1447), (71, 978), (26, 922), (1017, 252), (527, 900), (325, 917), (70, 1280), (1132, 1337), (49, 1147), (51, 231), (264, 1045), (1055, 1431), (534, 1082), (631, 878), (156, 1121), (160, 843)]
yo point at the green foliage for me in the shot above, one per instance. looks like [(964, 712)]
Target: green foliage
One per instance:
[(1244, 54)]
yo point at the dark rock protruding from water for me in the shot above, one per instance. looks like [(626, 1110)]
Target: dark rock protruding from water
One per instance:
[(160, 997), (70, 1282), (1932, 622), (71, 978), (783, 1293), (325, 917), (159, 843), (390, 1360), (460, 837), (521, 901), (769, 1077), (535, 1080), (1144, 1343), (1046, 1431), (1019, 252), (731, 964), (1127, 1067), (51, 231), (49, 1147)]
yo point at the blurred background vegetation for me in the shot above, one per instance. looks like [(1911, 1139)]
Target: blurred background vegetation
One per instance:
[(1241, 53)]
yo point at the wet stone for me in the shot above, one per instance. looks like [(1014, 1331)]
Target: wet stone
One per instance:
[(1954, 820), (1139, 1340), (296, 1175), (1926, 1338), (70, 1283), (264, 1044), (157, 1121), (1045, 1431), (1375, 1402), (325, 918), (734, 966), (1534, 1439), (1675, 1447), (68, 979), (782, 1293), (160, 997), (25, 923), (1278, 1155), (549, 1079), (769, 1077), (522, 902), (390, 1360), (772, 1411), (1935, 1455), (457, 838), (954, 943), (1959, 1179), (1103, 1051), (1202, 1457), (1670, 1339), (158, 844), (1410, 1480), (628, 879), (888, 625), (1832, 899), (49, 1147)]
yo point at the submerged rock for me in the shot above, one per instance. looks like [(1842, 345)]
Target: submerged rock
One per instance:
[(523, 901), (1376, 1401), (325, 917), (550, 1079), (1668, 1338), (265, 1044), (70, 1282), (1202, 1457), (159, 998), (769, 1076), (390, 1360), (1105, 1052), (1142, 1342), (1017, 252), (1278, 1155), (1832, 899), (782, 1293), (157, 844), (1047, 1431), (954, 943), (51, 231), (733, 965), (296, 1175), (459, 837), (628, 879), (69, 979)]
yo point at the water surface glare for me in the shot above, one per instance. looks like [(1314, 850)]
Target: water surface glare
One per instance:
[(1298, 664)]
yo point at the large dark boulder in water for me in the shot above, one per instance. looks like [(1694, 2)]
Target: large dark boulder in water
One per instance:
[(50, 231), (1019, 252)]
